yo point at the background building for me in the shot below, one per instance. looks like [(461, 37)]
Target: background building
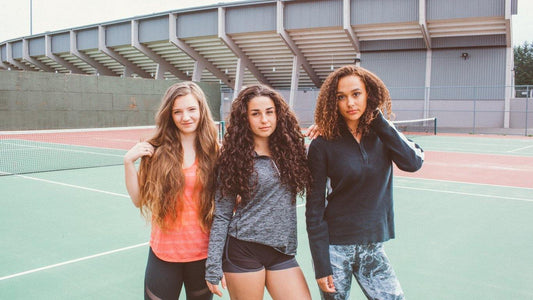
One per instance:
[(448, 59)]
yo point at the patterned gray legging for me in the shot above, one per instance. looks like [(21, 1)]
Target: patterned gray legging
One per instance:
[(371, 268)]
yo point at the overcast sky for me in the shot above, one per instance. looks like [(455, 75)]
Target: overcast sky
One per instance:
[(52, 15)]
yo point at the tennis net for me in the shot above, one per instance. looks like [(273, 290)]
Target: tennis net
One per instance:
[(426, 126), (23, 152)]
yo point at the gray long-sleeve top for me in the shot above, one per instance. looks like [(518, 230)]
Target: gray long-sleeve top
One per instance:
[(268, 218)]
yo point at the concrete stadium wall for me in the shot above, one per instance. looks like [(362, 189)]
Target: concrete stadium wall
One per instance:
[(38, 100)]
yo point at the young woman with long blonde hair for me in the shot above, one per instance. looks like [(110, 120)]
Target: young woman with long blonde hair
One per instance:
[(174, 188)]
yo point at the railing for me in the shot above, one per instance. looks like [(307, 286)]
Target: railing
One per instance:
[(459, 109)]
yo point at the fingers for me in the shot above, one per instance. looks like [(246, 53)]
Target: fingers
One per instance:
[(326, 284), (214, 288), (139, 150), (146, 148), (223, 281), (312, 132)]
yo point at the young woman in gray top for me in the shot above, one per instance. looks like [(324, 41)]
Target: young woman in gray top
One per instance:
[(261, 170)]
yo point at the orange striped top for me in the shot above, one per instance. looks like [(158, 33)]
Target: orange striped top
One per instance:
[(184, 241)]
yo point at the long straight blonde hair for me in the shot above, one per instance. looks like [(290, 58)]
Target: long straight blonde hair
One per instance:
[(161, 177)]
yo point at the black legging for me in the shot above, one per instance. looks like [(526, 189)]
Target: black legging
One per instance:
[(163, 280)]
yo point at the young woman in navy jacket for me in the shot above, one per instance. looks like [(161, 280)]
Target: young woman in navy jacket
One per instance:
[(353, 160)]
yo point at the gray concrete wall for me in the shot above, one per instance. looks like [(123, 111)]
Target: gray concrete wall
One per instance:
[(38, 100)]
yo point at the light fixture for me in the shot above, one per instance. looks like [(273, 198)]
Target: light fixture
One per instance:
[(273, 69), (465, 55), (357, 60), (187, 72), (226, 71)]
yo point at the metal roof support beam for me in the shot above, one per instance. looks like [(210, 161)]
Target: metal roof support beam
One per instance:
[(100, 69), (57, 59), (295, 78), (173, 38), (197, 72), (427, 82), (11, 60), (239, 75), (235, 49), (160, 72), (3, 66), (162, 65), (508, 15), (292, 46), (422, 22), (509, 64), (347, 26), (26, 56), (129, 67)]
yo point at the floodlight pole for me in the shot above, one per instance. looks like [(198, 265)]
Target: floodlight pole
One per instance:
[(31, 17)]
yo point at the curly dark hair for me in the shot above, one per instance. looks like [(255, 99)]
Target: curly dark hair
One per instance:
[(235, 166), (327, 115)]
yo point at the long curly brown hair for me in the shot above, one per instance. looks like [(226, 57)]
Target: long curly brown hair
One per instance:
[(235, 167), (161, 179), (327, 115)]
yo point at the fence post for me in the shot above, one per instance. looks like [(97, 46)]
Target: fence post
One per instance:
[(527, 105), (474, 113)]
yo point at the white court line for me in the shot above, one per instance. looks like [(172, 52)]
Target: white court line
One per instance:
[(463, 193), (64, 150), (467, 183), (73, 186), (520, 148), (73, 261), (81, 259)]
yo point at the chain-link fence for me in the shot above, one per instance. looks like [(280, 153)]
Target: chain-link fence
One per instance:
[(458, 109)]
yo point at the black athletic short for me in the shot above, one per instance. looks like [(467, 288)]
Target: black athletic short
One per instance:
[(242, 257)]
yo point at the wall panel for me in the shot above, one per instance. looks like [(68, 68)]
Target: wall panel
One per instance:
[(251, 19), (118, 34), (383, 11), (87, 39), (438, 9), (313, 14), (203, 23), (151, 30), (37, 46)]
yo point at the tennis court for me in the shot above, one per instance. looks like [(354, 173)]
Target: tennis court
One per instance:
[(464, 222)]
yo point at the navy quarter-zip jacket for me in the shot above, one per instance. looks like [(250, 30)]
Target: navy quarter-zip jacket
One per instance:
[(359, 206)]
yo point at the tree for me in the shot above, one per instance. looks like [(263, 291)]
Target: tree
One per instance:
[(523, 64)]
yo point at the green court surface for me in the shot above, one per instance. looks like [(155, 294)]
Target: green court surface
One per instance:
[(74, 234)]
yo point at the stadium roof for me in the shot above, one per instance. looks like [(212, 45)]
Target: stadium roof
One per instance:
[(280, 43)]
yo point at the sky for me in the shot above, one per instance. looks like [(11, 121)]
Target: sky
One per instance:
[(53, 15)]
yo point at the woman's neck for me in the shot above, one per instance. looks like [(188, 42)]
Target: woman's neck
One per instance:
[(189, 152), (261, 146), (352, 127)]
